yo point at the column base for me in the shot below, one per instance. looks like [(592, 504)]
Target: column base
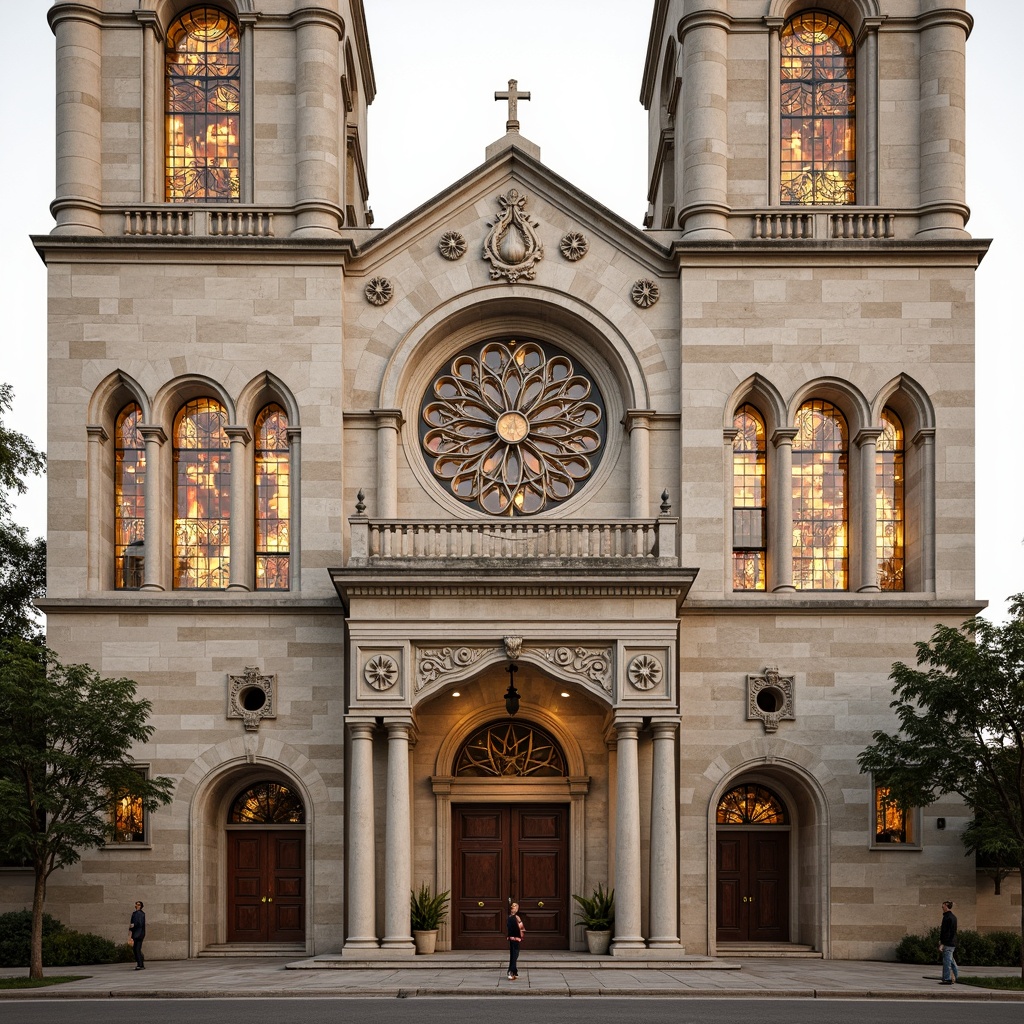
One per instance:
[(629, 945), (665, 942), (401, 945), (359, 946)]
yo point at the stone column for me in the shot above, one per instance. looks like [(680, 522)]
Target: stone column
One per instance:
[(703, 153), (867, 101), (99, 517), (156, 540), (780, 514), (942, 140), (664, 923), (246, 118), (317, 122), (638, 426), (867, 556), (295, 520), (389, 422), (775, 26), (398, 842), (924, 441), (361, 896), (242, 534), (151, 114), (627, 840), (76, 205)]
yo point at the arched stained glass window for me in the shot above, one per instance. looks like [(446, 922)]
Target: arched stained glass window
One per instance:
[(750, 805), (202, 496), (129, 499), (817, 106), (202, 112), (820, 467), (273, 499), (509, 748), (267, 803), (889, 502), (749, 501)]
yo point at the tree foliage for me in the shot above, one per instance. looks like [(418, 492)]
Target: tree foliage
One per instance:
[(66, 737), (961, 730)]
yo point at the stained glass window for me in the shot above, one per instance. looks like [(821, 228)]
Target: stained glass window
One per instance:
[(512, 427), (820, 465), (267, 803), (889, 502), (273, 495), (129, 818), (749, 501), (750, 805), (894, 823), (202, 496), (129, 499), (510, 749), (202, 113), (818, 118)]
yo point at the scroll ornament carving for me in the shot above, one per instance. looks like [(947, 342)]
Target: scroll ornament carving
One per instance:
[(574, 245), (588, 664), (379, 291), (512, 246), (381, 672), (433, 663), (645, 672), (251, 697), (770, 698), (645, 293), (452, 245)]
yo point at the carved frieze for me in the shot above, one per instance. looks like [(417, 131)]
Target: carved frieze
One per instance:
[(589, 665), (512, 246), (432, 663)]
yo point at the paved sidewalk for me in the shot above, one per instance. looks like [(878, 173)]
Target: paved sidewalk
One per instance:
[(484, 974)]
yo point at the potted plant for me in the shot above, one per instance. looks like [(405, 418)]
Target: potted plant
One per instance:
[(428, 911), (596, 915)]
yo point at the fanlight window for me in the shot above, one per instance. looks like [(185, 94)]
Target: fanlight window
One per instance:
[(202, 113), (748, 501), (889, 502), (507, 749), (273, 499), (512, 427), (202, 496), (129, 499), (267, 803), (820, 552), (750, 805), (817, 106)]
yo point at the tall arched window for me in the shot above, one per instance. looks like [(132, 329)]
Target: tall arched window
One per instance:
[(129, 499), (889, 502), (820, 469), (817, 105), (273, 499), (202, 496), (202, 107), (749, 501)]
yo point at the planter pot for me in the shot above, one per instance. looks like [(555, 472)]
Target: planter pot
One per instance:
[(599, 942), (426, 942)]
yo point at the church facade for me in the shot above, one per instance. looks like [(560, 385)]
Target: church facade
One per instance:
[(512, 549)]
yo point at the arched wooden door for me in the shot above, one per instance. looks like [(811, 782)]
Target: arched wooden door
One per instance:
[(266, 866), (752, 867)]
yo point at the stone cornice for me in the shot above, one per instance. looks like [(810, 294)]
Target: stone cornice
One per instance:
[(178, 602), (849, 603)]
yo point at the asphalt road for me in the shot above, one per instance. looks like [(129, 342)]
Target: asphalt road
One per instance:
[(448, 1010)]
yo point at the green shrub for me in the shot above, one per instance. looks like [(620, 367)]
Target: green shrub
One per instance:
[(16, 934), (61, 946), (997, 949)]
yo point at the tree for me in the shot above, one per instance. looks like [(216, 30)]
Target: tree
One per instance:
[(961, 715), (65, 741), (22, 561)]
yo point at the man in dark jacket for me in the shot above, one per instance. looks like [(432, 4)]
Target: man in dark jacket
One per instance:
[(947, 945), (137, 931)]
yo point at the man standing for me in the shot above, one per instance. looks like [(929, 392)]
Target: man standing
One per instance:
[(137, 931), (947, 944)]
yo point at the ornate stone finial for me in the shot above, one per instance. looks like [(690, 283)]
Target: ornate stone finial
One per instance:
[(513, 647), (665, 506), (360, 503), (513, 95)]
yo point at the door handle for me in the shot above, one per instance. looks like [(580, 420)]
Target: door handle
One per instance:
[(264, 900), (540, 903), (748, 899), (480, 903)]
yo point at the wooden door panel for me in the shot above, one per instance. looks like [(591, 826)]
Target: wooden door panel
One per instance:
[(266, 886), (482, 875), (752, 888)]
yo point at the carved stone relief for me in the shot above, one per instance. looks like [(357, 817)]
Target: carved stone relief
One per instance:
[(574, 245), (588, 664), (380, 672), (452, 245), (251, 697), (378, 291), (432, 663), (645, 672), (645, 293), (770, 698), (512, 246)]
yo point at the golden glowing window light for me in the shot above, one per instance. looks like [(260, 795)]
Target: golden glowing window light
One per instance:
[(272, 482), (889, 506), (129, 499), (892, 821), (129, 824), (749, 500), (750, 804)]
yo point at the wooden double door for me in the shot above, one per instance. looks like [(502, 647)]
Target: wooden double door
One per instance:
[(752, 897), (266, 884), (503, 852)]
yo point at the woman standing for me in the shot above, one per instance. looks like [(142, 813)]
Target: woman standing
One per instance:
[(516, 930)]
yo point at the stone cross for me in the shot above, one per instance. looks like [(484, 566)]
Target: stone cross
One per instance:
[(513, 95)]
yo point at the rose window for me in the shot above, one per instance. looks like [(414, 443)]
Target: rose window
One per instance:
[(513, 427)]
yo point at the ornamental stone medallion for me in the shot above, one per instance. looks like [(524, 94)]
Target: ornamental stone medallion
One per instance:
[(380, 672), (770, 698), (379, 291), (644, 672), (452, 245), (512, 246), (251, 697)]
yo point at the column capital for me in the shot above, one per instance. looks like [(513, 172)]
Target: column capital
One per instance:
[(96, 432), (924, 436), (388, 418), (153, 433), (150, 20), (869, 435), (638, 418), (784, 436), (361, 728), (663, 729), (238, 433)]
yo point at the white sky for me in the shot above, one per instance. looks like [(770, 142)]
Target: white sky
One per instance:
[(437, 66)]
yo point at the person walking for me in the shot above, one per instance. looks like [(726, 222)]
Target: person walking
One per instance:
[(137, 931), (947, 945), (516, 930)]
